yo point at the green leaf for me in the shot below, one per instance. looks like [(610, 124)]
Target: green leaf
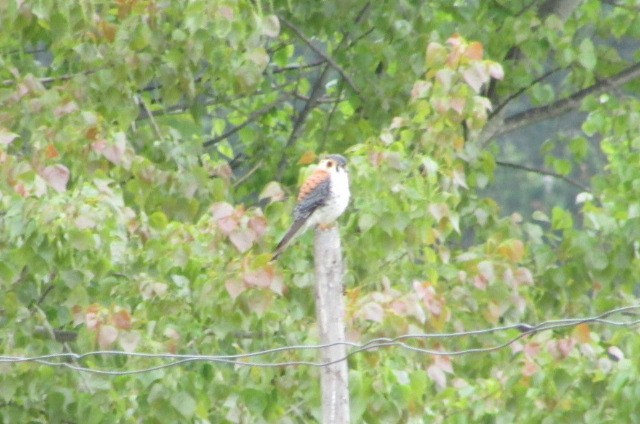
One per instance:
[(587, 54), (561, 219), (184, 404), (158, 220), (81, 239)]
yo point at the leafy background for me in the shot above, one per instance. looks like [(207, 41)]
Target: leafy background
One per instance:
[(150, 152)]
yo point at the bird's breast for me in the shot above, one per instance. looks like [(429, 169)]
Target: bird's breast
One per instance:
[(337, 201)]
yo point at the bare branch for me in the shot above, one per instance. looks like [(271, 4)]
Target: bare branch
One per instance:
[(522, 90), (253, 117), (496, 127), (50, 80), (248, 174), (302, 116), (140, 101), (329, 119), (61, 336), (544, 172), (562, 9), (315, 92), (297, 67), (567, 104), (319, 52)]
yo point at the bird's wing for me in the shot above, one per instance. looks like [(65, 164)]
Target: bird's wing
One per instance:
[(313, 194)]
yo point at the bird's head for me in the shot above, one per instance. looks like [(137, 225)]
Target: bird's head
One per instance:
[(333, 163)]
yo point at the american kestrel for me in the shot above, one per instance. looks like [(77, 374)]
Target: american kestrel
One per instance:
[(323, 197)]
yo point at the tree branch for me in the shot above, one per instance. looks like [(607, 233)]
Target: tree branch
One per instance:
[(302, 116), (297, 67), (323, 143), (253, 117), (315, 92), (496, 127), (141, 103), (544, 172), (567, 104), (50, 80), (319, 52), (522, 90)]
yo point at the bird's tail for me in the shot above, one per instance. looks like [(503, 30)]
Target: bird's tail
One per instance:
[(293, 232)]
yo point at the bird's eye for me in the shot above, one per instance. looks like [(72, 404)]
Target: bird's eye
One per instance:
[(329, 164)]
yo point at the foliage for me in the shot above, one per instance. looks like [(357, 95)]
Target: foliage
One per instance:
[(149, 155)]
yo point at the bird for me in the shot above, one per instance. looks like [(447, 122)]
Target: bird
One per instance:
[(323, 197)]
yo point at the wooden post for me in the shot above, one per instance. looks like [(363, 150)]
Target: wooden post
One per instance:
[(334, 379)]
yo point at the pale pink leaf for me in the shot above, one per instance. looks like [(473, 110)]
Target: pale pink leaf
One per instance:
[(6, 136), (227, 224), (615, 353), (441, 105), (235, 288), (371, 312), (397, 122), (435, 51), (485, 268), (479, 282), (272, 191), (259, 57), (107, 335), (172, 334), (444, 363), (445, 77), (532, 349), (65, 109), (605, 365), (159, 289), (523, 276), (270, 26), (221, 210), (262, 277), (129, 340), (438, 376), (121, 319), (91, 320), (57, 176), (84, 222), (399, 307), (414, 309), (114, 151), (242, 239), (530, 368), (459, 178), (495, 70), (420, 90), (277, 284), (386, 137), (402, 377), (262, 303), (457, 104), (226, 12), (475, 75), (439, 211), (517, 347), (519, 302), (259, 225)]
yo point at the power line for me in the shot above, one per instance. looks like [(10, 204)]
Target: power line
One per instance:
[(56, 359)]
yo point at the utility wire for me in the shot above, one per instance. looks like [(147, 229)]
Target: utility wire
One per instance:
[(243, 359)]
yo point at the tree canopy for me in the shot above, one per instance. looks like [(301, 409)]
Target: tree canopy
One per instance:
[(150, 153)]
